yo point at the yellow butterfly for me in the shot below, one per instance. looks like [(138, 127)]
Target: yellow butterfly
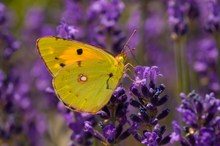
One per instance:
[(84, 76)]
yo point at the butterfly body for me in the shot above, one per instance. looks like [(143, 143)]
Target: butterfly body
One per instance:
[(84, 76)]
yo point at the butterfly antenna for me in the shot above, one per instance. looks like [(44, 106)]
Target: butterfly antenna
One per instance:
[(132, 53), (129, 39), (135, 59), (129, 48)]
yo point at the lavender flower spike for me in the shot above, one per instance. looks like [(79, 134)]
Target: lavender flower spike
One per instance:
[(176, 18), (213, 22), (150, 139), (147, 98), (201, 115)]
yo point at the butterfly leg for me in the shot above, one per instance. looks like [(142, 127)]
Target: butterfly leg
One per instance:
[(129, 65), (128, 76)]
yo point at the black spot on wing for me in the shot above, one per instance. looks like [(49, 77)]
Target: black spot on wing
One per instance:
[(79, 51), (62, 64), (110, 75), (56, 58), (79, 63)]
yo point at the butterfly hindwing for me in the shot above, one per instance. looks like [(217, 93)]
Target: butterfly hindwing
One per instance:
[(87, 87)]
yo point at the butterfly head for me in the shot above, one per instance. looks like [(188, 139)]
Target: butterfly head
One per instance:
[(121, 58)]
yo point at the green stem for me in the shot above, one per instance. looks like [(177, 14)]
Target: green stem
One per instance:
[(217, 39), (184, 65), (194, 79), (95, 142), (183, 80), (193, 76), (178, 66)]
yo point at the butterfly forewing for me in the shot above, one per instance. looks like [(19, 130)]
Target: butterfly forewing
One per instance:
[(58, 53)]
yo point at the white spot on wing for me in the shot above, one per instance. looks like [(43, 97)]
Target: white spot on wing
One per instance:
[(82, 78)]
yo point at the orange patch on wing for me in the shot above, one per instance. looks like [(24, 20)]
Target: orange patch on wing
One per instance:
[(69, 55)]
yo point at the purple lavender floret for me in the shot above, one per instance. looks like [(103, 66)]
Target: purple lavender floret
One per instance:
[(109, 132), (66, 31), (147, 99), (9, 43), (73, 22), (213, 21), (146, 74), (190, 8), (150, 139), (176, 18), (205, 54), (2, 13), (80, 135), (176, 135), (107, 12), (201, 116)]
